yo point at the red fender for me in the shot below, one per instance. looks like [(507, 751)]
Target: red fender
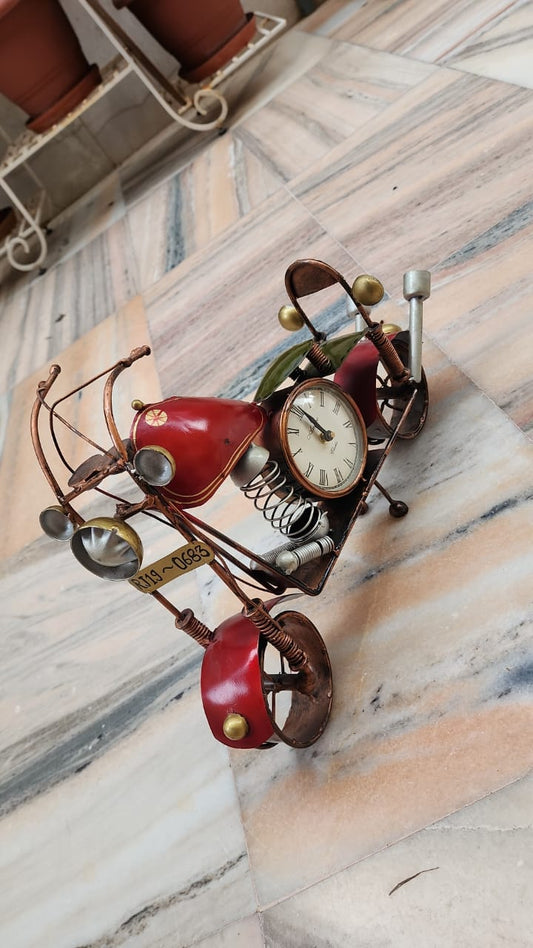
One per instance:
[(231, 682), (357, 376)]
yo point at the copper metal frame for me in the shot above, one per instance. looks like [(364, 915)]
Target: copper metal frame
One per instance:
[(291, 634), (153, 503)]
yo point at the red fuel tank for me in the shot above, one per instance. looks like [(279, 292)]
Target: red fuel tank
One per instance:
[(205, 436)]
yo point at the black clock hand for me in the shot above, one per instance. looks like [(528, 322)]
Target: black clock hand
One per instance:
[(326, 435)]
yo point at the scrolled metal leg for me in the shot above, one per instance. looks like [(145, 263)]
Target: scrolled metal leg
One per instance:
[(19, 240)]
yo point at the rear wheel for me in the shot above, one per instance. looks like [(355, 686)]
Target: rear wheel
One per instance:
[(392, 400)]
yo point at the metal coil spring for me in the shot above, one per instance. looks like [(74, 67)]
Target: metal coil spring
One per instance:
[(389, 356), (319, 359), (188, 623), (293, 515), (272, 631)]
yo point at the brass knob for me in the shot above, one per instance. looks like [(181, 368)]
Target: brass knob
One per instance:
[(235, 727), (290, 318), (390, 328), (137, 404), (367, 290)]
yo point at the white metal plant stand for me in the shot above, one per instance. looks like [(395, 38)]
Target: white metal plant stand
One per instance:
[(189, 106)]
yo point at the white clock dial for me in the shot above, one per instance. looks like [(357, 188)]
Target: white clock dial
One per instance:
[(323, 438)]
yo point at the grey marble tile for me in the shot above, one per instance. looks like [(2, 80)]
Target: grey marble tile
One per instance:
[(246, 933), (337, 96), (70, 165), (426, 186), (213, 319), (429, 35), (503, 50), (44, 316), (442, 886), (216, 188)]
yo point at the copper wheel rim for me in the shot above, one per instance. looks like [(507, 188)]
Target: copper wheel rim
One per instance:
[(302, 717)]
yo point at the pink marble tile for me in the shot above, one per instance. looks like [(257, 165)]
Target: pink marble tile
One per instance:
[(397, 896), (479, 313)]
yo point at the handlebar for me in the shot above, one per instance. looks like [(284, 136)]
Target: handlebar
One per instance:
[(44, 387)]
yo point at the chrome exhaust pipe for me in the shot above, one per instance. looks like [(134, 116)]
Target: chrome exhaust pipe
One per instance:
[(416, 289)]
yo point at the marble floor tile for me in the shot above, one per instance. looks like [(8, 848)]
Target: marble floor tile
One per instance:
[(428, 625), (241, 275), (43, 317), (440, 887), (479, 313), (247, 91), (246, 933), (221, 183), (503, 51), (339, 95), (109, 668), (92, 863), (429, 35), (426, 187), (107, 342), (377, 137), (330, 17)]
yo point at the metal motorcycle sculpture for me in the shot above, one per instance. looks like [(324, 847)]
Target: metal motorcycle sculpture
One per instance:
[(306, 451)]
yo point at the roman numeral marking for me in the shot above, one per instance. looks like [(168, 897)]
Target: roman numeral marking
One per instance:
[(323, 478)]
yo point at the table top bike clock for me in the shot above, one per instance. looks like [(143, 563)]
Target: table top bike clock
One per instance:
[(306, 451)]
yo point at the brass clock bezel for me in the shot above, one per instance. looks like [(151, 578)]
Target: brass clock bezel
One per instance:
[(314, 489)]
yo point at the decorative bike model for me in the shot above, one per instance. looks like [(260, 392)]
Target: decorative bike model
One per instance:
[(306, 451)]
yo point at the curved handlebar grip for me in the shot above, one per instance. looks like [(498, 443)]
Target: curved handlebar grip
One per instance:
[(138, 353), (44, 387)]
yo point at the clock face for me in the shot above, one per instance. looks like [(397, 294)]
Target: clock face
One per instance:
[(323, 438)]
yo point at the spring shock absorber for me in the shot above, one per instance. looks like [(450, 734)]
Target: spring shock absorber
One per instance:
[(281, 501)]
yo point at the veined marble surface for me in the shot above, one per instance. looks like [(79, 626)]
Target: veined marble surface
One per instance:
[(377, 137)]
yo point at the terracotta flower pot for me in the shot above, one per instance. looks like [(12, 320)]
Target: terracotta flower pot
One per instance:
[(42, 66), (203, 35)]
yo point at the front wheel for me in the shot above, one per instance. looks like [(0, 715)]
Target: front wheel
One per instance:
[(298, 703)]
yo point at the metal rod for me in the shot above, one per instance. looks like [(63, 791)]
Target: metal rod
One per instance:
[(108, 397)]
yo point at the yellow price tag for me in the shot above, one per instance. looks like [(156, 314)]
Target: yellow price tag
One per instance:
[(181, 561)]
